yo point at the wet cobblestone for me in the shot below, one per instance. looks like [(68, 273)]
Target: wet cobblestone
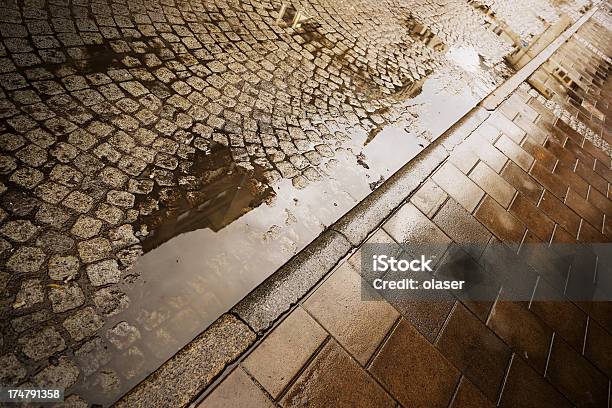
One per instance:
[(110, 110)]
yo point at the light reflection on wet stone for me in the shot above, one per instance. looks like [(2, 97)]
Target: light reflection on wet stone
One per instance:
[(209, 138)]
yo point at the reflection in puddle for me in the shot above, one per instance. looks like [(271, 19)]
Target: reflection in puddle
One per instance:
[(221, 192), (465, 57)]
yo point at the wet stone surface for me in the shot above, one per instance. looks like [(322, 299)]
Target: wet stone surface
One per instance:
[(126, 128)]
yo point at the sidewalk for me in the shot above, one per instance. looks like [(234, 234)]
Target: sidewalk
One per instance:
[(535, 170)]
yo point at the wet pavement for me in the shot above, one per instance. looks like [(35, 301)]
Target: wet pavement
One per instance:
[(160, 160), (536, 171)]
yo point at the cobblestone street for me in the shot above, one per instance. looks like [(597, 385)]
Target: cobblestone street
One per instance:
[(160, 159)]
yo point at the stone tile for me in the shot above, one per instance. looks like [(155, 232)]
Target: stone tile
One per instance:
[(475, 350), (413, 370), (593, 178), (285, 351), (493, 184), (576, 377), (535, 220), (597, 347), (508, 147), (564, 155), (600, 201), (550, 181), (533, 130), (526, 334), (469, 396), (237, 390), (83, 323), (506, 126), (542, 156), (585, 209), (41, 343), (104, 273), (416, 233), (321, 386), (564, 317), (523, 182), (559, 213), (462, 228), (62, 375), (458, 186), (464, 158), (573, 180), (429, 198), (503, 224), (482, 287), (379, 241), (526, 388), (489, 154), (66, 297), (12, 371), (358, 325)]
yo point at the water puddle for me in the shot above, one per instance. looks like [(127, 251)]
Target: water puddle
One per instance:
[(229, 226)]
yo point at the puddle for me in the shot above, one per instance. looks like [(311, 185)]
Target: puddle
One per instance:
[(226, 230)]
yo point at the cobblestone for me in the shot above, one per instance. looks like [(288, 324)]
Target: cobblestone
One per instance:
[(83, 323), (41, 344), (62, 375), (66, 297), (103, 273)]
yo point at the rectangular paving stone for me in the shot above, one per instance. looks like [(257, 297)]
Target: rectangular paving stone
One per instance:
[(523, 331), (416, 233), (482, 287), (550, 181), (594, 179), (469, 396), (237, 390), (462, 228), (535, 131), (285, 351), (413, 370), (576, 377), (539, 153), (507, 146), (429, 198), (480, 355), (526, 388), (504, 225), (486, 152), (458, 186), (564, 155), (522, 181), (506, 126), (597, 347), (600, 201), (535, 220), (564, 317), (359, 326), (493, 184), (585, 209), (573, 180), (560, 213), (334, 379), (464, 158)]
